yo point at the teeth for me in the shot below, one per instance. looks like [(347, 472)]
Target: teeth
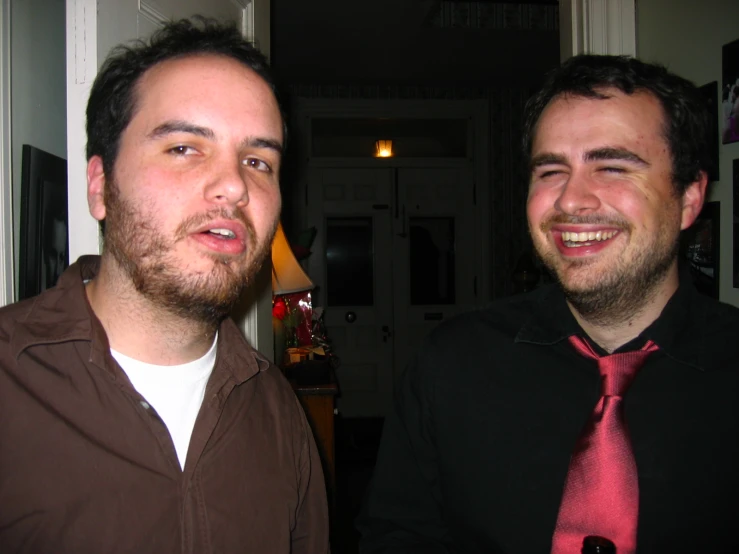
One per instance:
[(224, 233), (591, 236)]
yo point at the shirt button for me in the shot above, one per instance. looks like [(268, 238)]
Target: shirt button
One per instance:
[(145, 405)]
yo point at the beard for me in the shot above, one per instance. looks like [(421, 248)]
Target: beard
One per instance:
[(617, 293), (148, 259)]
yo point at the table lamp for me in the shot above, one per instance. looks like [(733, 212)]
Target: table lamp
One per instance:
[(288, 281)]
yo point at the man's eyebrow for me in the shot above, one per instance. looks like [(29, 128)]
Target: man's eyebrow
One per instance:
[(614, 154), (177, 126), (547, 158), (258, 142)]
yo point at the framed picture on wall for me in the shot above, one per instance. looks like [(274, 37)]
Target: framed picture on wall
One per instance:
[(44, 243), (700, 247), (730, 92), (710, 93), (735, 224)]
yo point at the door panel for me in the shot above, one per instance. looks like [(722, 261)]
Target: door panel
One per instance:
[(434, 254), (351, 266), (377, 315)]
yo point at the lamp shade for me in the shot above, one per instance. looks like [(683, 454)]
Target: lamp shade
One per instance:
[(384, 149), (287, 275)]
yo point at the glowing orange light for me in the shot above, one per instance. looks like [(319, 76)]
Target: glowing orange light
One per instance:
[(384, 149)]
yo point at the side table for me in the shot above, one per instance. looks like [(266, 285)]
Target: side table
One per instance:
[(319, 402)]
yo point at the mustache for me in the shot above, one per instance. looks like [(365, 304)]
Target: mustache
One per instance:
[(591, 219)]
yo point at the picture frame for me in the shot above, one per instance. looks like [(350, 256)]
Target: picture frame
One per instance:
[(44, 224), (701, 247), (735, 222), (730, 92), (710, 94)]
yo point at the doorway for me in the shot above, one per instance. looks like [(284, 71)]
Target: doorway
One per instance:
[(394, 256), (399, 246)]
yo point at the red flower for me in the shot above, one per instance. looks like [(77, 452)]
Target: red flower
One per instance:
[(279, 309)]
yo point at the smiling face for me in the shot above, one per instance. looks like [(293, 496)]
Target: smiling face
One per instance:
[(194, 199), (603, 212)]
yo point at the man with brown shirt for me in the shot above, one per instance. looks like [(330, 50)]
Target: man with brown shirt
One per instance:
[(134, 416)]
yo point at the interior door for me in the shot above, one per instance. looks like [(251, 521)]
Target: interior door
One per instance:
[(435, 253), (351, 267), (395, 255)]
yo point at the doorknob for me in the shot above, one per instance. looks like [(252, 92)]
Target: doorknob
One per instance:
[(350, 317), (386, 332)]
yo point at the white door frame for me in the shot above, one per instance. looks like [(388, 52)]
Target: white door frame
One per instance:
[(7, 294), (597, 27)]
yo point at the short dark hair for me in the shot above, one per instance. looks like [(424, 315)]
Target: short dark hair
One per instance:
[(687, 120), (112, 101)]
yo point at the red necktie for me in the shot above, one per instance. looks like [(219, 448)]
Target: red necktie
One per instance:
[(601, 494)]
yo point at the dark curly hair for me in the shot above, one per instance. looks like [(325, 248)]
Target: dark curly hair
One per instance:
[(112, 101), (686, 117)]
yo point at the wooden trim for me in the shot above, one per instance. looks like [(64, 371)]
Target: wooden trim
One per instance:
[(152, 13), (6, 193), (82, 58), (597, 27)]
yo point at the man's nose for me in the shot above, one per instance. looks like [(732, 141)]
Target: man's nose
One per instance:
[(229, 185), (577, 195)]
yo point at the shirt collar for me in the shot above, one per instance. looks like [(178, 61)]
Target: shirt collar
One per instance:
[(237, 355), (692, 327), (551, 320), (63, 313), (688, 317)]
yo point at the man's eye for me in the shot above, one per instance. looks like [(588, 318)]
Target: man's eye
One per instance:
[(256, 163), (614, 170), (549, 173), (180, 150)]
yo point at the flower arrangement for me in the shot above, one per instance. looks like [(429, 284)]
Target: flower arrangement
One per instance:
[(279, 308), (293, 314)]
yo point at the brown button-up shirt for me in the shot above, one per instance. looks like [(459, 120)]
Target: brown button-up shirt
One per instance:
[(87, 466)]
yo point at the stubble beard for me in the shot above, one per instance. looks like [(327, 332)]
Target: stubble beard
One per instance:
[(147, 258), (622, 292)]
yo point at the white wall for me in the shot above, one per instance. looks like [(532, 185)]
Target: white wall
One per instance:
[(687, 36), (38, 87)]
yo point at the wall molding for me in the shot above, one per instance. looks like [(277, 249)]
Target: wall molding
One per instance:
[(152, 12), (7, 274), (597, 27)]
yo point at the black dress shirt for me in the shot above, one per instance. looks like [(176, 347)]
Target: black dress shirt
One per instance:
[(475, 455)]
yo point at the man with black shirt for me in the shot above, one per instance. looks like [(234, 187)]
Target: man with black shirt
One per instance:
[(494, 420)]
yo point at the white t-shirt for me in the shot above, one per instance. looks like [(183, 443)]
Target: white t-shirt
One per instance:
[(176, 392)]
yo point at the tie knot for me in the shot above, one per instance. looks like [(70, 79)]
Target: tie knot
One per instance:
[(617, 370)]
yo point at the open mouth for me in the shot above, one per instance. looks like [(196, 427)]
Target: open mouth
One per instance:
[(222, 234), (586, 238)]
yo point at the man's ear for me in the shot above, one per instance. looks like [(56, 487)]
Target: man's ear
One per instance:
[(693, 198), (96, 187)]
